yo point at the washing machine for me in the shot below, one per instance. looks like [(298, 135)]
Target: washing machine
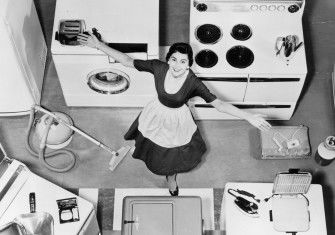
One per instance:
[(88, 77)]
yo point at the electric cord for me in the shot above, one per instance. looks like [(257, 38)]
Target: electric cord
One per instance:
[(268, 198), (275, 138), (41, 153), (242, 192), (295, 132), (305, 198), (245, 193)]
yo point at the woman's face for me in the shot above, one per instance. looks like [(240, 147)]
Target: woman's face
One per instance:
[(178, 63)]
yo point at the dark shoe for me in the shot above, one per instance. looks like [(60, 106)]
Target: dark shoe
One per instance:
[(176, 191)]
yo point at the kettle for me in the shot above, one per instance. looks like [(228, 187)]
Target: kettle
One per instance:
[(286, 47)]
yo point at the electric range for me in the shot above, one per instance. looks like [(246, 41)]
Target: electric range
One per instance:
[(236, 46)]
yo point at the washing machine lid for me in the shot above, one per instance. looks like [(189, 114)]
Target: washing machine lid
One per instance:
[(118, 21)]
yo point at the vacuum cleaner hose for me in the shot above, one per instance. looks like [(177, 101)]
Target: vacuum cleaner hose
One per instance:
[(41, 154)]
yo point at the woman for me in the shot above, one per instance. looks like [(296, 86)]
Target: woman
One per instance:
[(166, 136)]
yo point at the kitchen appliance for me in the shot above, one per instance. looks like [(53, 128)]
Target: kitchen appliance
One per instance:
[(287, 47), (235, 46), (285, 142), (68, 31), (55, 131), (151, 215), (325, 153), (289, 204), (17, 183), (23, 57), (89, 77), (245, 202)]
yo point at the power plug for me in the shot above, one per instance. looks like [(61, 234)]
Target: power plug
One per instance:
[(293, 143)]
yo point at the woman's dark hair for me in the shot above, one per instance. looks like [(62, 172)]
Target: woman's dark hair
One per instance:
[(183, 48)]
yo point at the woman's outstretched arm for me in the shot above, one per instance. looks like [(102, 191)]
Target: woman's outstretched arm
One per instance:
[(92, 41), (253, 119)]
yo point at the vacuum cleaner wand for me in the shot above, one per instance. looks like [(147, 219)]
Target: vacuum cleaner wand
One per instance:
[(60, 120), (119, 154)]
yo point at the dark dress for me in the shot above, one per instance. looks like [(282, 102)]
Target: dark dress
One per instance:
[(164, 151)]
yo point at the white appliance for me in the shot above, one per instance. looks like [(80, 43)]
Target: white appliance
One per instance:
[(234, 45), (86, 75), (23, 56), (163, 215), (16, 184)]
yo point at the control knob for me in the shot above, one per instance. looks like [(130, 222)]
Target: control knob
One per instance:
[(293, 8), (263, 7), (201, 7)]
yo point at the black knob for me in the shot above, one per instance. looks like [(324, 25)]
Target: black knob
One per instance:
[(293, 8), (201, 7), (95, 33)]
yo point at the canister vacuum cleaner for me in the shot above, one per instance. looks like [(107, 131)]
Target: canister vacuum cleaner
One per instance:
[(55, 131)]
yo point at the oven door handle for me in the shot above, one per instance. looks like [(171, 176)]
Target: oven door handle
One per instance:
[(224, 79), (248, 106), (255, 79)]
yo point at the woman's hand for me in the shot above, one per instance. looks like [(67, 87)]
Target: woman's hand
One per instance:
[(257, 121), (88, 40), (254, 119), (92, 41)]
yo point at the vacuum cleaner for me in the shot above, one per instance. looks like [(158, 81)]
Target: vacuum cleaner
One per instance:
[(55, 131)]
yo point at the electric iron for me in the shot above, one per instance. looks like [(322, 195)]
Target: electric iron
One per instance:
[(245, 202)]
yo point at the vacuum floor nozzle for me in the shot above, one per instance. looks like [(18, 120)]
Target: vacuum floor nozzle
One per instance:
[(118, 156)]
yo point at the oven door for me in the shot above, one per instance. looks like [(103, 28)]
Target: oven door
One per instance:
[(230, 88), (281, 88)]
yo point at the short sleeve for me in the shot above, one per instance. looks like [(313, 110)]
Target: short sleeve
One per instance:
[(147, 65), (201, 90)]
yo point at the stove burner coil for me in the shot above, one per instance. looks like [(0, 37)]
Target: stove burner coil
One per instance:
[(241, 32), (108, 81), (206, 59), (208, 33), (240, 57)]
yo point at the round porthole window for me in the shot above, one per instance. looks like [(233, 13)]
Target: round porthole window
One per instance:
[(108, 81)]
